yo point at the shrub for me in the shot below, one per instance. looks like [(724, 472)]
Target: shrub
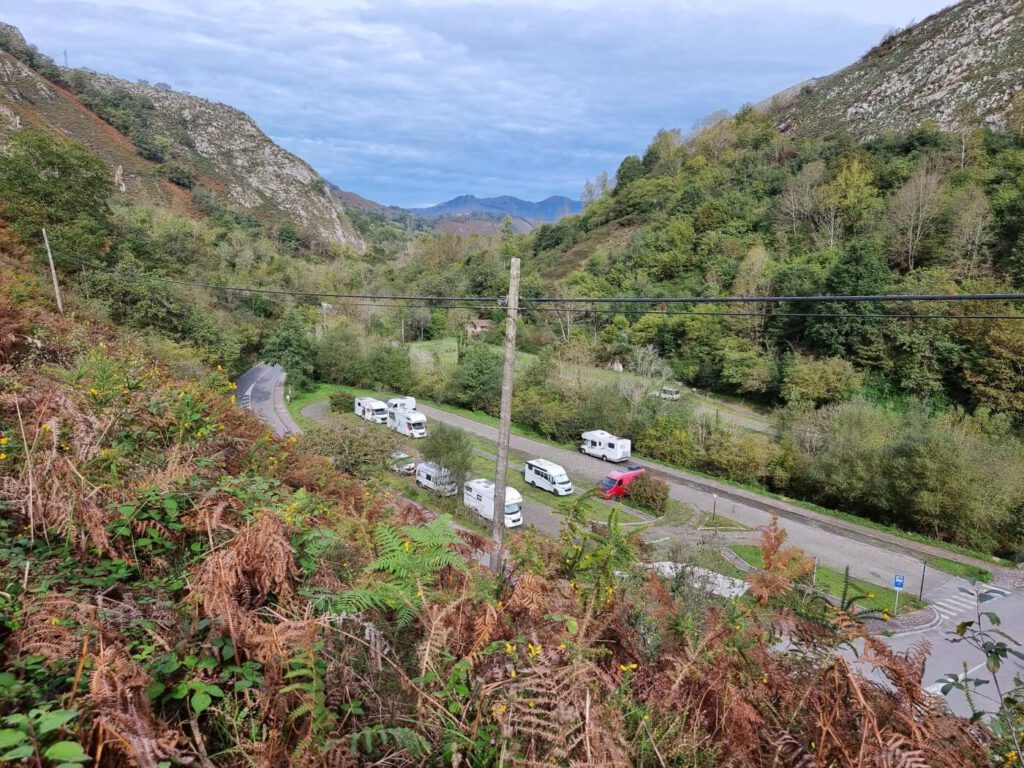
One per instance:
[(342, 402), (650, 493), (353, 448)]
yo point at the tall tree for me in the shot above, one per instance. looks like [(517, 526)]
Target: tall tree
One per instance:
[(913, 214)]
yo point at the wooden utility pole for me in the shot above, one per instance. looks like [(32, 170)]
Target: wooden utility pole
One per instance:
[(53, 273), (505, 425)]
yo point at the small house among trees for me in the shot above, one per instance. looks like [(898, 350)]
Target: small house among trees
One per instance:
[(478, 326)]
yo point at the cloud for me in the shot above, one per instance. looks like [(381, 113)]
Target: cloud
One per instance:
[(412, 100)]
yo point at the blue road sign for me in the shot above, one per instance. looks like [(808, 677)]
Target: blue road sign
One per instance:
[(897, 581)]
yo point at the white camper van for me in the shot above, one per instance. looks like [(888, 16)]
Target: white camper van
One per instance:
[(435, 478), (478, 495), (402, 404), (408, 423), (603, 445), (548, 476), (371, 409)]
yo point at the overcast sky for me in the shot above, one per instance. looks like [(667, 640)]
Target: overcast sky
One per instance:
[(412, 102)]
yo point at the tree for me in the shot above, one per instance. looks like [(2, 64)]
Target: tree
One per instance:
[(389, 366), (855, 191), (58, 184), (649, 373), (630, 169), (994, 370), (451, 448), (808, 381), (797, 203), (972, 230), (341, 355), (476, 381), (913, 213), (293, 348)]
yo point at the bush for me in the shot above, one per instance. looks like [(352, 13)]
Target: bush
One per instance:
[(650, 493), (342, 402), (354, 448)]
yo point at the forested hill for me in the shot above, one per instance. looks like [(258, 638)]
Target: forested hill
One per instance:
[(168, 143), (959, 68), (744, 209)]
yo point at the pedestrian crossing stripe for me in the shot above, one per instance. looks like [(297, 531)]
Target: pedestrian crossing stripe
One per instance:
[(962, 603)]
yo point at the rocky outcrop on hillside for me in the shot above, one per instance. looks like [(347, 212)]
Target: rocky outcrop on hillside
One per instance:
[(226, 145), (960, 66), (223, 146)]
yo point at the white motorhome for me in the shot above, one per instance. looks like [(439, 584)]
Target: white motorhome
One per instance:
[(478, 495), (371, 409), (408, 423), (436, 479), (548, 476), (604, 445), (402, 404)]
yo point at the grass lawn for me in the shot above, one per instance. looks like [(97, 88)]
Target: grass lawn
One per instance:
[(300, 401), (831, 581), (971, 572), (721, 523)]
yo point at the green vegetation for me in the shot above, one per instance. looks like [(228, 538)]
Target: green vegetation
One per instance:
[(837, 584)]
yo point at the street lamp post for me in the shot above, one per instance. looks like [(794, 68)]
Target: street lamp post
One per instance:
[(714, 508)]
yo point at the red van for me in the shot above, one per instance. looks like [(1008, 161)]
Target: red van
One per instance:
[(614, 486)]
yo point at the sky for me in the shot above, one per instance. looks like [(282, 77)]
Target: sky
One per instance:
[(412, 102)]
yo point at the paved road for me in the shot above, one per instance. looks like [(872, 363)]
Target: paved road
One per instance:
[(261, 390), (953, 604)]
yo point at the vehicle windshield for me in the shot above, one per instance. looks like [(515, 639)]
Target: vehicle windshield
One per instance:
[(562, 480), (512, 509), (380, 411), (607, 483)]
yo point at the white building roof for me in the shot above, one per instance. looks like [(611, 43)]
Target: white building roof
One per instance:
[(550, 466)]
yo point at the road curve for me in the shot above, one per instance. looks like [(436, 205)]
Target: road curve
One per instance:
[(261, 390)]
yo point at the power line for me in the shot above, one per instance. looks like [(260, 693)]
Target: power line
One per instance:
[(774, 299), (490, 304)]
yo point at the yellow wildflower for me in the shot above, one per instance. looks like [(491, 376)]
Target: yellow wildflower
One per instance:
[(419, 593), (534, 650), (627, 667), (93, 391), (219, 368), (231, 399), (509, 648), (3, 456), (871, 595), (885, 616), (1011, 756), (513, 673), (501, 709), (406, 545), (4, 440)]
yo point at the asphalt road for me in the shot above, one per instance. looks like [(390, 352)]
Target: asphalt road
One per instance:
[(261, 390)]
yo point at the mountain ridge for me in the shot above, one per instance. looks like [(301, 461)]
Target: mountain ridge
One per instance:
[(549, 209), (181, 141), (960, 67)]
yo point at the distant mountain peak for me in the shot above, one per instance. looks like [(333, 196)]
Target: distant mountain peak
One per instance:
[(550, 208)]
